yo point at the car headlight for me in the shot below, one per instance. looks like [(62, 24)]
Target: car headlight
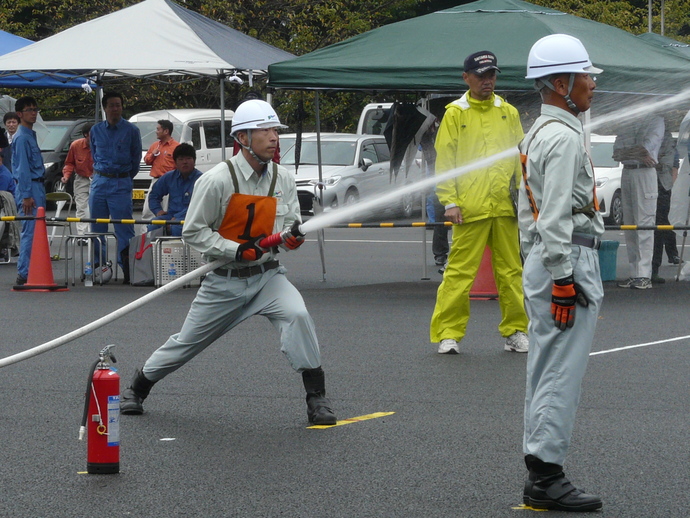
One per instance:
[(328, 182), (49, 165), (602, 181)]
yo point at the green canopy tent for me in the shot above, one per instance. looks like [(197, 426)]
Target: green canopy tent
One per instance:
[(669, 45), (426, 54)]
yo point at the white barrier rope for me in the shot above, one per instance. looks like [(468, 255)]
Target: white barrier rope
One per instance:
[(96, 324)]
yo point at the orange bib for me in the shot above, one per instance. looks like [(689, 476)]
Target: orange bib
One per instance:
[(248, 216)]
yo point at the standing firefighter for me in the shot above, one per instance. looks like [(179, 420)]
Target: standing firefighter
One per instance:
[(560, 227), (233, 206)]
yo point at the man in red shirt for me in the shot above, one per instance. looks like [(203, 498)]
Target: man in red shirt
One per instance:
[(160, 158), (79, 161)]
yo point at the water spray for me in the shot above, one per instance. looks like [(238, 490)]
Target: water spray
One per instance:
[(319, 222)]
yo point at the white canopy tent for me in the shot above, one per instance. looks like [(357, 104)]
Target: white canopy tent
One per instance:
[(150, 39)]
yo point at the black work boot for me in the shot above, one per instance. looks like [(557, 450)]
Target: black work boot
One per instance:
[(318, 407), (133, 397), (547, 487)]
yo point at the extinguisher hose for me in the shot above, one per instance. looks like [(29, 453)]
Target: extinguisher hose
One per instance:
[(82, 428)]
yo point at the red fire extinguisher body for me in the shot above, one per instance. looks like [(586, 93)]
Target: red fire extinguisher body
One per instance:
[(103, 428)]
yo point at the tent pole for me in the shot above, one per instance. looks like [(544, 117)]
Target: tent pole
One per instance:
[(221, 79), (99, 97), (321, 239), (424, 101)]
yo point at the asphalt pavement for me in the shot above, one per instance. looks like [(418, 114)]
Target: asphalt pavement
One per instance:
[(227, 435)]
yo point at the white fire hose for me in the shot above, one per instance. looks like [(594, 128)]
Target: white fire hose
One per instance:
[(77, 333)]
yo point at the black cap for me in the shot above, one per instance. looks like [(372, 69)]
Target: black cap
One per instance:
[(480, 62)]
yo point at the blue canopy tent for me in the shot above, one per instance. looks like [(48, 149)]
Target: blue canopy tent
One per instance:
[(9, 43)]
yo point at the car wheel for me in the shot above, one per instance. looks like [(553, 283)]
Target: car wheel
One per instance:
[(351, 196), (407, 205), (616, 210), (56, 185)]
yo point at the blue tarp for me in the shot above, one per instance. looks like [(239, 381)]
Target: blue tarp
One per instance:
[(9, 43)]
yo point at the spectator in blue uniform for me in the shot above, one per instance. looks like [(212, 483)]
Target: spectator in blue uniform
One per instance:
[(116, 151), (6, 180), (28, 172), (178, 185)]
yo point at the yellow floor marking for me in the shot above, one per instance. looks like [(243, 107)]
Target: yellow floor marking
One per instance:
[(352, 420), (523, 507)]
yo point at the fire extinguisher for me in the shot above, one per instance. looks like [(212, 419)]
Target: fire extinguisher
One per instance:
[(101, 419)]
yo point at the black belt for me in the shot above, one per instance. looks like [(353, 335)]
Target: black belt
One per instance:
[(588, 241), (247, 271), (638, 166), (41, 179), (106, 175)]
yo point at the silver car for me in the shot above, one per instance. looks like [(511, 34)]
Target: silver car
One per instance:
[(353, 167), (607, 172)]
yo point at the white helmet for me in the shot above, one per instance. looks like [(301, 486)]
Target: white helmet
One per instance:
[(559, 54), (255, 114), (104, 273)]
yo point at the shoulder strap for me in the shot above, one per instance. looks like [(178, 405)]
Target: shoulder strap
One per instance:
[(235, 183), (539, 129), (523, 160), (271, 189), (589, 210)]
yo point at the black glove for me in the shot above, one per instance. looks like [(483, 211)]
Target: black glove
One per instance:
[(564, 295), (250, 251)]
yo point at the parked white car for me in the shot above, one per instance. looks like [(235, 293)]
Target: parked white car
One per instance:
[(607, 172), (353, 167), (201, 128)]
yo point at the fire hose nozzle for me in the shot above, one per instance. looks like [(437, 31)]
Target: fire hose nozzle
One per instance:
[(279, 237)]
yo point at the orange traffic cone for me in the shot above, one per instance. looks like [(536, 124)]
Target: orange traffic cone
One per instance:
[(40, 269), (484, 287)]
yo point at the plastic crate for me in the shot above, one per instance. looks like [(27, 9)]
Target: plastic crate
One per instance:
[(174, 251)]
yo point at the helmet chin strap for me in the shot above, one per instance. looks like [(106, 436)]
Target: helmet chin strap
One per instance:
[(251, 151), (567, 98)]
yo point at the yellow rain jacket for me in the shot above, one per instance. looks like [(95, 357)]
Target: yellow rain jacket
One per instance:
[(471, 130)]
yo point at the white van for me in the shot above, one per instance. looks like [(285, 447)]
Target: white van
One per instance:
[(201, 128), (373, 119)]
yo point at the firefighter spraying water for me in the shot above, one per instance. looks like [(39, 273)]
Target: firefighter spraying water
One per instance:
[(233, 209)]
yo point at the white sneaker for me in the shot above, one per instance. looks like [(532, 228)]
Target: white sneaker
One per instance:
[(641, 283), (517, 342), (627, 283), (448, 346)]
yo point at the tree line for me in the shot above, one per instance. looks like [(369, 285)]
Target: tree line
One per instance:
[(297, 26)]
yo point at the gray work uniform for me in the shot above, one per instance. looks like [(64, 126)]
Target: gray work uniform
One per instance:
[(639, 192), (561, 178), (222, 301)]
